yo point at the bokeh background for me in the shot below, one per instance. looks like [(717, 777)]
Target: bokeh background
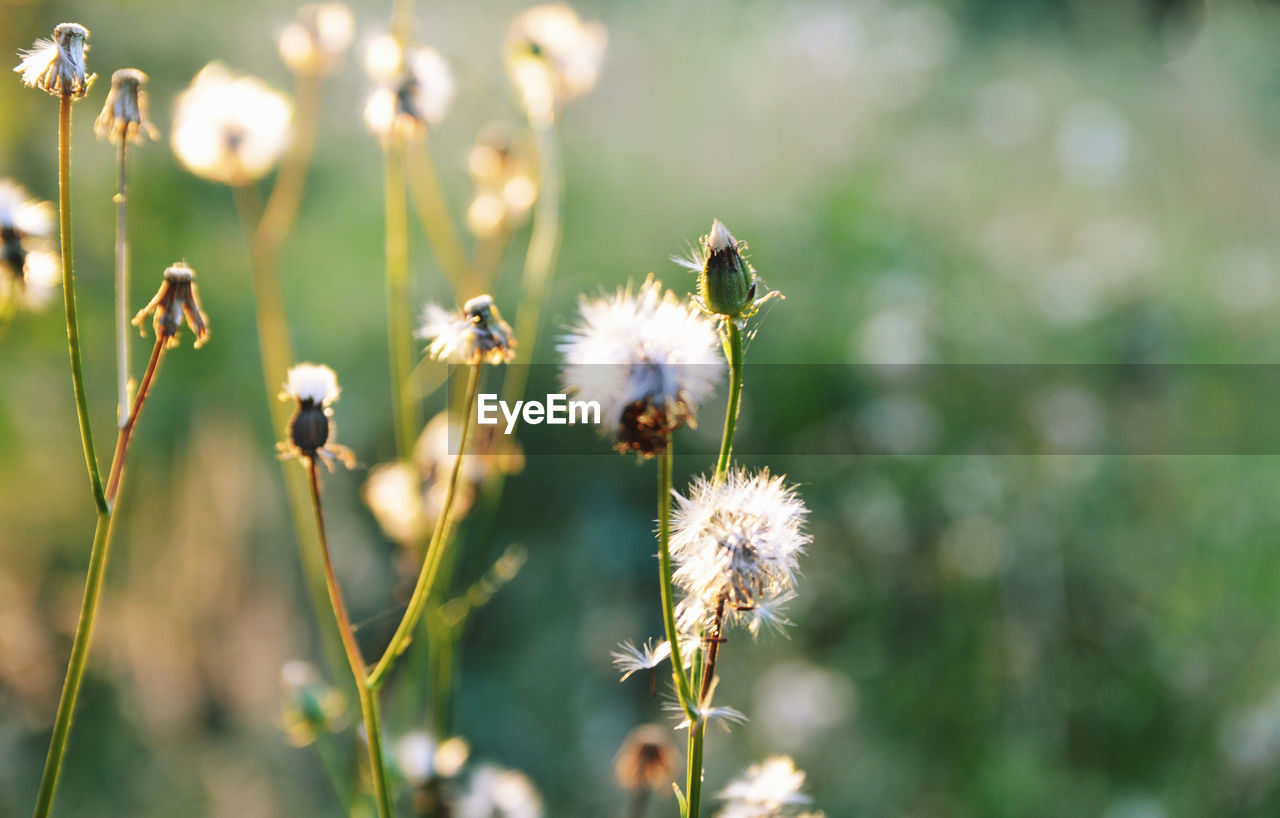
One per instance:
[(960, 181)]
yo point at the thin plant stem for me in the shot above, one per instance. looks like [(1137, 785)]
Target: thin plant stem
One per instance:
[(69, 300), (698, 731), (733, 352), (683, 690), (368, 699), (433, 212), (486, 263), (540, 258), (435, 548), (281, 210), (333, 771), (126, 429), (122, 284), (639, 802), (404, 408), (76, 665)]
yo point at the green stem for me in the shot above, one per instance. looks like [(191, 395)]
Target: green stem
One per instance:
[(399, 309), (683, 691), (435, 548), (122, 282), (433, 213), (540, 258), (693, 782), (368, 699), (69, 300), (76, 666), (733, 352)]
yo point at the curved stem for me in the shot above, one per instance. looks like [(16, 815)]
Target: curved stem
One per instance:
[(126, 429), (540, 258), (122, 284), (281, 210), (69, 300), (683, 690), (433, 212), (404, 408), (733, 352), (76, 665), (368, 701), (435, 548)]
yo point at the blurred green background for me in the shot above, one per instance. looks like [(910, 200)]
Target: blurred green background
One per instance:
[(947, 182)]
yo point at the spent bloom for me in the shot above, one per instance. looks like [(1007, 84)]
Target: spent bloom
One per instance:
[(505, 182), (124, 115), (648, 358), (230, 128), (727, 283), (497, 793), (736, 544), (477, 332), (315, 40), (553, 57), (29, 269), (415, 88), (314, 388), (58, 65), (770, 789), (646, 760), (176, 298)]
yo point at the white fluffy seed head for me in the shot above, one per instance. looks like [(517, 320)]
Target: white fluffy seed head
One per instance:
[(720, 238), (497, 793), (553, 56), (312, 382), (769, 789), (58, 66), (317, 37), (477, 329), (20, 213), (415, 91), (230, 128)]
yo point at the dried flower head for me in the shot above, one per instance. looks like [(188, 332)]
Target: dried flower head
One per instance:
[(497, 793), (311, 706), (477, 332), (646, 760), (415, 87), (58, 65), (124, 115), (315, 40), (314, 388), (736, 543), (553, 57), (727, 283), (33, 270), (177, 297), (648, 358), (770, 789), (230, 128), (505, 181)]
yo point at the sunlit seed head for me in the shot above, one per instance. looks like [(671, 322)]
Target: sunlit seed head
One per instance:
[(383, 59), (310, 432), (486, 215), (21, 214), (476, 333), (312, 383), (503, 172), (393, 493), (451, 755), (58, 66), (647, 759), (176, 299), (414, 97), (629, 659), (553, 57), (230, 128), (38, 283), (317, 38), (648, 358), (124, 115), (766, 790), (493, 792)]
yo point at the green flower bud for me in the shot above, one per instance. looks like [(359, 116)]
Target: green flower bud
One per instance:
[(727, 284)]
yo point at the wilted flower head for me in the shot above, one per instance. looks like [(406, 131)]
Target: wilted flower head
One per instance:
[(476, 332), (504, 176), (124, 115), (33, 270), (737, 542), (553, 57), (230, 128), (497, 793), (646, 760), (311, 706), (770, 789), (648, 358), (176, 297), (317, 37), (314, 388), (58, 65), (415, 87), (727, 283)]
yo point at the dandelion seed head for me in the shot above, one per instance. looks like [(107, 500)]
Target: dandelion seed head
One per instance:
[(738, 540), (124, 115), (33, 270), (315, 40), (310, 432), (553, 57), (313, 383), (415, 90), (766, 790), (477, 331), (230, 128), (494, 792), (58, 66), (649, 359), (39, 282), (21, 214)]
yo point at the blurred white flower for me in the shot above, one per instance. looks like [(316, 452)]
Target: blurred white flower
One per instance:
[(765, 790), (415, 88), (317, 37), (797, 702), (230, 128), (1093, 143), (494, 792), (477, 332), (29, 270), (553, 57), (414, 754), (22, 216)]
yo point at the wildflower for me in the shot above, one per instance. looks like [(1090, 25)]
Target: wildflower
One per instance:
[(476, 333), (315, 40), (736, 543), (311, 705), (176, 297), (34, 271), (497, 793), (124, 115), (553, 57), (229, 128), (503, 173), (414, 92), (58, 65), (630, 659), (727, 283), (647, 759), (766, 790), (314, 388), (648, 359)]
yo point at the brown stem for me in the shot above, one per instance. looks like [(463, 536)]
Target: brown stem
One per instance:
[(713, 652), (126, 431), (639, 801)]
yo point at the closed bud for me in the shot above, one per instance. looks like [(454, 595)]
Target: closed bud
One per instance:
[(727, 282)]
